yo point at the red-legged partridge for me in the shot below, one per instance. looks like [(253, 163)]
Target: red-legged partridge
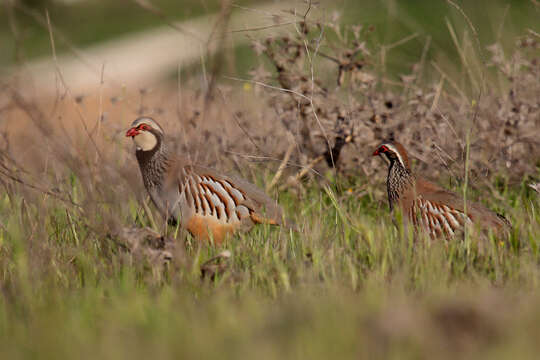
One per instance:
[(437, 211), (206, 203)]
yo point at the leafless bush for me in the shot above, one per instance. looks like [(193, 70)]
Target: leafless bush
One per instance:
[(334, 99)]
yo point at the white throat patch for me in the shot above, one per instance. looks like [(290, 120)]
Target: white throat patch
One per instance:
[(145, 141), (396, 152)]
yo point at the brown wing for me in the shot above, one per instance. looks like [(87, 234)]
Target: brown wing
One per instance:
[(444, 198), (235, 194), (437, 218), (262, 208)]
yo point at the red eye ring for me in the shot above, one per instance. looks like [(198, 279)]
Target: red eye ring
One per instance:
[(381, 149), (143, 127)]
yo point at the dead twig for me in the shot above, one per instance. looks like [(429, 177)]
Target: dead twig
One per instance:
[(281, 167), (302, 173)]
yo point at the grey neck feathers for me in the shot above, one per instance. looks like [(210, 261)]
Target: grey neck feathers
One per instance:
[(398, 179), (153, 164)]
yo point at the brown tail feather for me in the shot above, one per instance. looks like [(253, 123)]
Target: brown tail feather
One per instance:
[(258, 219)]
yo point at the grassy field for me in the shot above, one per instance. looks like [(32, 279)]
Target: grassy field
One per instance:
[(79, 278), (347, 285)]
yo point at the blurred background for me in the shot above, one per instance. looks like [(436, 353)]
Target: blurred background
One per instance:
[(294, 96), (147, 41)]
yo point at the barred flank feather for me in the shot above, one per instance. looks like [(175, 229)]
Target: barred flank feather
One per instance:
[(208, 204), (438, 212)]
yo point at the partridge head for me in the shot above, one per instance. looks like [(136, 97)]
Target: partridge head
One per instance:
[(437, 211), (146, 134), (206, 203)]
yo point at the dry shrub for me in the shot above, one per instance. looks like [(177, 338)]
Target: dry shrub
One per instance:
[(333, 95)]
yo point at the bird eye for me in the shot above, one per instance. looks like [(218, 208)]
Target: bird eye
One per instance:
[(384, 148), (144, 127)]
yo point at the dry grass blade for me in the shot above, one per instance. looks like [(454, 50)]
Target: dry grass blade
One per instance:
[(147, 246), (535, 187), (293, 180), (147, 5), (216, 266), (281, 167)]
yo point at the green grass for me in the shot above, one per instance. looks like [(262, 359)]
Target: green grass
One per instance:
[(346, 286)]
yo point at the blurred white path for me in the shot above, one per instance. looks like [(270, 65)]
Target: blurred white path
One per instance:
[(139, 59)]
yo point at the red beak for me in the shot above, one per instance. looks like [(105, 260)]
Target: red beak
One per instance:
[(132, 132), (376, 152)]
